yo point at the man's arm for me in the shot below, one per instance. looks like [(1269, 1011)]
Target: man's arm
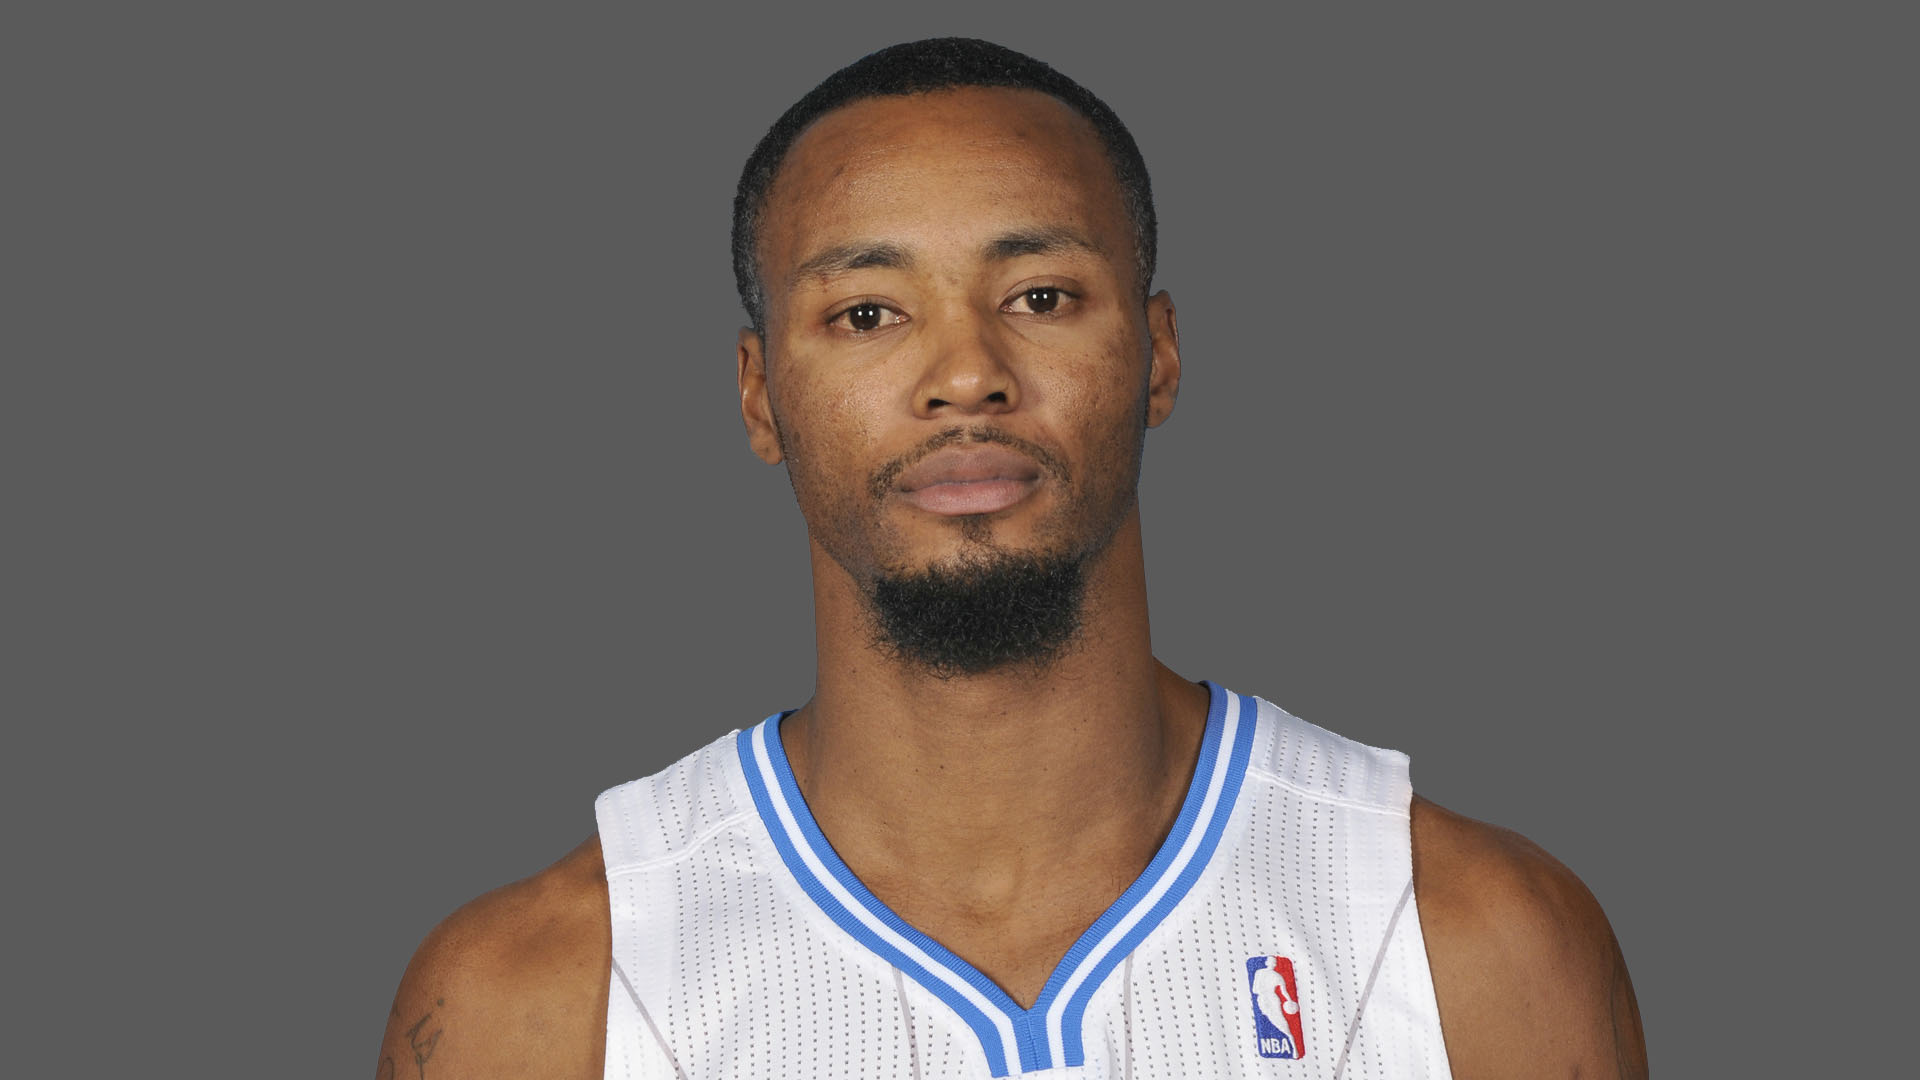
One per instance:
[(1529, 979), (513, 985)]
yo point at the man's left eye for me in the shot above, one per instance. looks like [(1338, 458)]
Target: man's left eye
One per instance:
[(1040, 301)]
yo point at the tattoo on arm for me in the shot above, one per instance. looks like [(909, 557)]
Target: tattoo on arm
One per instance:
[(423, 1042), (387, 1068)]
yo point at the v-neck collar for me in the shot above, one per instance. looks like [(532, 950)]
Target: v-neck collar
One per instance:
[(1048, 1035)]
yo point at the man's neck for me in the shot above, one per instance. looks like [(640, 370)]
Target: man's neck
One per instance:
[(971, 799)]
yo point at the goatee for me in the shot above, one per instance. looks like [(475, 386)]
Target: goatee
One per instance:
[(984, 613)]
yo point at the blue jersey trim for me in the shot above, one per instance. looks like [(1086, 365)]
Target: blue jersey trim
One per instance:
[(1241, 753), (1089, 942), (983, 1027), (1029, 1025)]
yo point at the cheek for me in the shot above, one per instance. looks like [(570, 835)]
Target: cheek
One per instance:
[(825, 424), (1101, 398)]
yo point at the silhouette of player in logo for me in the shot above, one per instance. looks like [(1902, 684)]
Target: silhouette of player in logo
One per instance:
[(1276, 1007)]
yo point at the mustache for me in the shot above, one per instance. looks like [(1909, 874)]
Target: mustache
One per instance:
[(883, 479)]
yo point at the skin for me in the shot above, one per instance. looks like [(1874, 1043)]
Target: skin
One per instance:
[(1528, 977)]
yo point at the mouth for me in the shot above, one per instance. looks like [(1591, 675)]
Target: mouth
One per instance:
[(964, 480)]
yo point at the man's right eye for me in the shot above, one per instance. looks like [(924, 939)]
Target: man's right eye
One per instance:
[(866, 316)]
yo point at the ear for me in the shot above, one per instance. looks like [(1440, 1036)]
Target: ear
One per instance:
[(1163, 380), (755, 408)]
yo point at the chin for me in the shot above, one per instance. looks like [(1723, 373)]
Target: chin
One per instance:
[(1015, 530), (980, 610), (976, 543)]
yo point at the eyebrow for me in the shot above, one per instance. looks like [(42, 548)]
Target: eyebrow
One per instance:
[(885, 255), (1046, 240), (859, 255)]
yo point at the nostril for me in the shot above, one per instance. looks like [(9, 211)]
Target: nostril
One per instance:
[(999, 396)]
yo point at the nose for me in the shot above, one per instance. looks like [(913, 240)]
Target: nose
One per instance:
[(969, 370)]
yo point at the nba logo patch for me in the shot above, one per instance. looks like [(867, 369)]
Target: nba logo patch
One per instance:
[(1276, 1007)]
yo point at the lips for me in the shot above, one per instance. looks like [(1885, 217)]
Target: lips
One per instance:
[(969, 480)]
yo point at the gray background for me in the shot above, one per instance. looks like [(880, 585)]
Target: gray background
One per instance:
[(376, 493)]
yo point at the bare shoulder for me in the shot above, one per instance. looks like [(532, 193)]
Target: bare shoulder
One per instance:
[(513, 984), (1529, 979)]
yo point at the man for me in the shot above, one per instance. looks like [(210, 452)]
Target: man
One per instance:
[(1001, 838)]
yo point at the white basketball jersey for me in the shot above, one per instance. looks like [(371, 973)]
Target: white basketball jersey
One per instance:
[(1274, 934)]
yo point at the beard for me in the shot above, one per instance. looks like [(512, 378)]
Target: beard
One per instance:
[(987, 607), (986, 612), (993, 608)]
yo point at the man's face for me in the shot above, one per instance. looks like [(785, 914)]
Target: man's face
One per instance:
[(958, 366)]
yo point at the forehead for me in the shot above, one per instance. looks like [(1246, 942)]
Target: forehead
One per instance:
[(926, 165)]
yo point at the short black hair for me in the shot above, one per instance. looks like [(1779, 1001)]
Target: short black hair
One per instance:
[(919, 67)]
